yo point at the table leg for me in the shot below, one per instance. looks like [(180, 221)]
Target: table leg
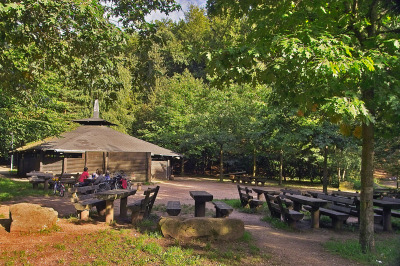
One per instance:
[(387, 219), (297, 206), (109, 211), (199, 209), (123, 211), (315, 219), (46, 184)]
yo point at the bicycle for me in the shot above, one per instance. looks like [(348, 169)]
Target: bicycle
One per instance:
[(59, 188)]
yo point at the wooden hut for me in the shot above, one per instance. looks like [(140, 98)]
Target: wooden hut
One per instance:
[(95, 145)]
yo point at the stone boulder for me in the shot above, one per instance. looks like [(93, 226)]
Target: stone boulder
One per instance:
[(27, 217), (202, 227)]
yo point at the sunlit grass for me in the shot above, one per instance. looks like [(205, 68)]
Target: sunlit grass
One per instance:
[(128, 247), (10, 189)]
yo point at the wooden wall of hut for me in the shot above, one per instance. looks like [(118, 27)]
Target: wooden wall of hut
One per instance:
[(134, 164)]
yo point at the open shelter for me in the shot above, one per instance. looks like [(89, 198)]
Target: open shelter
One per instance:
[(95, 145)]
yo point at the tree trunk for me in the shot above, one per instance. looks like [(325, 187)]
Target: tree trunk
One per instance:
[(344, 174), (280, 167), (254, 162), (325, 171), (183, 166), (221, 164), (367, 241)]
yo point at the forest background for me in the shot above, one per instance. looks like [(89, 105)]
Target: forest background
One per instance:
[(171, 83)]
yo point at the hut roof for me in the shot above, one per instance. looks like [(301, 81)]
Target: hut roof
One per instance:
[(97, 138)]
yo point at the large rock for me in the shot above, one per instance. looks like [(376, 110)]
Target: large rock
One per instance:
[(27, 217), (201, 227)]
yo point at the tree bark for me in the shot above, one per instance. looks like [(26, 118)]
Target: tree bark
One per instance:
[(221, 164), (325, 171), (366, 239), (280, 167), (254, 162)]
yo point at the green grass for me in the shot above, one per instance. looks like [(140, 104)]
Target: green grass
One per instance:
[(10, 190), (387, 251)]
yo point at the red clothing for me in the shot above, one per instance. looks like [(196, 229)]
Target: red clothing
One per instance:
[(83, 176)]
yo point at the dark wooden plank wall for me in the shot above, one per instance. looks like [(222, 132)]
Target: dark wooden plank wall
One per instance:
[(130, 163)]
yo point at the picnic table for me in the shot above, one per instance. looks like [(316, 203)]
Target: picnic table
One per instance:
[(41, 177), (387, 207), (314, 203), (200, 199), (110, 195), (261, 191)]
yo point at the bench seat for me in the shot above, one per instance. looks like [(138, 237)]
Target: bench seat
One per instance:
[(337, 217), (394, 213), (141, 209), (174, 208), (35, 181), (222, 209)]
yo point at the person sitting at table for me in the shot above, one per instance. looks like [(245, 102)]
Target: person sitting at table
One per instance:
[(84, 176), (100, 179), (107, 176)]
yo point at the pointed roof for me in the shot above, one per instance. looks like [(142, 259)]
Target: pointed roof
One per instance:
[(95, 120), (97, 138)]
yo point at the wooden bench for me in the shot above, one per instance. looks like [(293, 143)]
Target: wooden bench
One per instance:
[(394, 213), (344, 205), (273, 207), (84, 200), (260, 180), (291, 191), (245, 179), (142, 208), (247, 199), (37, 178), (278, 210), (222, 209), (174, 208), (338, 215), (69, 179)]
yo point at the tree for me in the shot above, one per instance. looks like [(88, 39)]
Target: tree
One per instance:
[(340, 55)]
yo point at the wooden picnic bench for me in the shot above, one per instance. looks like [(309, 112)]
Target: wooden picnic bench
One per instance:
[(68, 179), (279, 210), (174, 208), (247, 199), (84, 200), (260, 180), (141, 209), (339, 209), (37, 178), (222, 209), (394, 213), (343, 205), (234, 177)]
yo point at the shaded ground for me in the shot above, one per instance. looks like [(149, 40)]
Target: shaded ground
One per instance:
[(301, 247)]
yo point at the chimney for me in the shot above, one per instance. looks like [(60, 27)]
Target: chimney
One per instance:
[(96, 110)]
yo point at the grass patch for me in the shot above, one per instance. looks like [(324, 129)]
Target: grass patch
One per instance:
[(129, 247), (10, 189), (276, 223), (236, 204), (387, 251)]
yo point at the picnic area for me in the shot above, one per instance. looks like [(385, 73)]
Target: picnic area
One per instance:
[(269, 244)]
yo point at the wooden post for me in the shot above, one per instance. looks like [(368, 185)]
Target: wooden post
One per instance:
[(148, 161), (65, 165), (41, 155)]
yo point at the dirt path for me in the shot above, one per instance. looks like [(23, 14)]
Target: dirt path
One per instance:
[(303, 247)]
